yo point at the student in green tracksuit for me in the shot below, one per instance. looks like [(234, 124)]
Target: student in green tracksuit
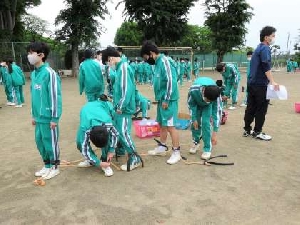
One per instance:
[(167, 95), (46, 105), (196, 68), (142, 105), (140, 71), (182, 71), (249, 55), (148, 72), (96, 125), (124, 104), (204, 103), (188, 69), (18, 80), (231, 77), (90, 77), (7, 82)]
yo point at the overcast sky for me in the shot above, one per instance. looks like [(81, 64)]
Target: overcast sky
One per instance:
[(283, 15)]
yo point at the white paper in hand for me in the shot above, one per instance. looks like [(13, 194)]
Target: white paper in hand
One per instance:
[(281, 94)]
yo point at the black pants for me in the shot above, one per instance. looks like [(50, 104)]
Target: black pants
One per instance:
[(257, 106)]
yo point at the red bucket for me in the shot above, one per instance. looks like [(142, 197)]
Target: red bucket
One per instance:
[(297, 107)]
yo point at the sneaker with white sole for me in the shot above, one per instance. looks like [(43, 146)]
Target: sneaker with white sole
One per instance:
[(18, 106), (159, 150), (10, 103), (84, 164), (243, 105), (232, 108), (262, 136), (206, 155), (175, 157), (134, 163), (108, 172), (248, 134), (194, 148), (52, 173), (41, 172)]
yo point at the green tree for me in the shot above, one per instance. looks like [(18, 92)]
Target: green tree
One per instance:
[(227, 20), (35, 26), (200, 38), (80, 25), (161, 21), (128, 34), (10, 16)]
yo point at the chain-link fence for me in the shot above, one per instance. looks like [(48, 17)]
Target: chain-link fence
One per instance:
[(18, 52)]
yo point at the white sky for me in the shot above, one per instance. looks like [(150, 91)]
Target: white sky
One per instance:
[(283, 15)]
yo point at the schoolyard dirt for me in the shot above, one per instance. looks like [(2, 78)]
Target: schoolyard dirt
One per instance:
[(261, 188)]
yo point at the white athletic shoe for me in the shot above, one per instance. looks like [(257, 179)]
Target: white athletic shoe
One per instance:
[(159, 150), (108, 172), (262, 136), (205, 155), (18, 106), (41, 172), (232, 108), (175, 157), (10, 103), (243, 105), (194, 148), (84, 164), (52, 173), (136, 162)]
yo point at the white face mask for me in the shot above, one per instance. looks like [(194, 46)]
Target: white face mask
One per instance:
[(248, 58), (272, 42), (33, 59)]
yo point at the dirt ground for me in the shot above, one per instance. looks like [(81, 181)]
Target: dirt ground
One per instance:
[(261, 188)]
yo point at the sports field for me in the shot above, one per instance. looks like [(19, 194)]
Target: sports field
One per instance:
[(261, 188)]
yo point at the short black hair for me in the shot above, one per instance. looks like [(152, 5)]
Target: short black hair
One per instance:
[(99, 52), (212, 92), (219, 83), (147, 47), (99, 136), (250, 53), (39, 47), (266, 31), (220, 67), (119, 49), (88, 53), (109, 52)]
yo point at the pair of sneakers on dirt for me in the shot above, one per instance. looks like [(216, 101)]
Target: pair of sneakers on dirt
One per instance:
[(176, 157), (135, 162), (257, 135), (47, 173)]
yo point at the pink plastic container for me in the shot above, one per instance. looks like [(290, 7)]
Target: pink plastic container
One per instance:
[(297, 107), (144, 130)]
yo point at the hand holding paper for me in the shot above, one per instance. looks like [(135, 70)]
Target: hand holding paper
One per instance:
[(276, 92)]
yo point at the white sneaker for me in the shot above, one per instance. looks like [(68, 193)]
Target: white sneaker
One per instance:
[(18, 106), (108, 172), (175, 157), (243, 105), (10, 103), (232, 108), (136, 162), (194, 148), (52, 173), (84, 164), (159, 150), (41, 172), (205, 155), (262, 136)]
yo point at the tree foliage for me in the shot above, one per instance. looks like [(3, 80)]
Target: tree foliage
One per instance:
[(227, 19), (10, 16), (35, 27), (80, 25), (199, 38), (128, 34), (161, 21)]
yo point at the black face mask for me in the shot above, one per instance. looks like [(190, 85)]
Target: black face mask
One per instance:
[(151, 61)]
